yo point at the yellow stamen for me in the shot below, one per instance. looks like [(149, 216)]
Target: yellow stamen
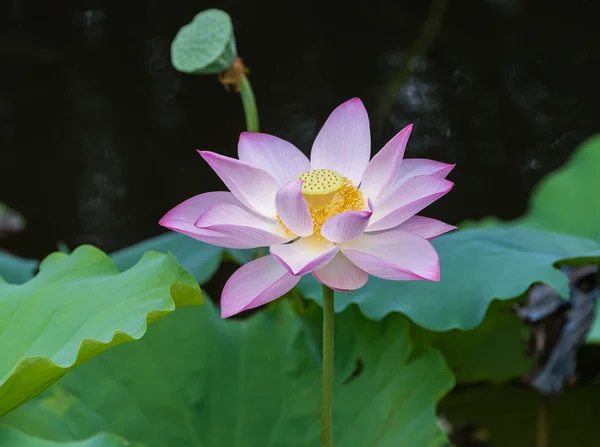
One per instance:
[(327, 193)]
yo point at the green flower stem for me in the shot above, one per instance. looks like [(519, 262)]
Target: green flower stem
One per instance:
[(327, 390), (251, 113), (543, 427), (249, 104)]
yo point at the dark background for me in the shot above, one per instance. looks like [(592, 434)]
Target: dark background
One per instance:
[(98, 133)]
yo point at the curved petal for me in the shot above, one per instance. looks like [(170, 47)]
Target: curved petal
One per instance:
[(413, 167), (406, 201), (341, 275), (305, 255), (293, 210), (230, 226), (396, 255), (384, 166), (252, 186), (344, 142), (254, 284), (182, 218), (281, 159), (346, 226), (425, 227)]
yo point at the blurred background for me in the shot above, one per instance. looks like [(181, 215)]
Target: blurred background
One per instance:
[(98, 132)]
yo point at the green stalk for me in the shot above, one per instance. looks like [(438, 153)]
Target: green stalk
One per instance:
[(543, 426), (327, 390), (249, 104), (251, 113)]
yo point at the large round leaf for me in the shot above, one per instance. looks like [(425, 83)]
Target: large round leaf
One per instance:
[(476, 267), (493, 351), (243, 256), (10, 437), (568, 200), (76, 307), (594, 334), (16, 270), (206, 45), (42, 417), (565, 201), (200, 259), (198, 380)]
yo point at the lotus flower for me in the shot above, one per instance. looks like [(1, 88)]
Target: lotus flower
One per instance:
[(337, 216)]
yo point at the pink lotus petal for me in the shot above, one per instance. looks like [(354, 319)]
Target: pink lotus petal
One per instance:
[(344, 142), (341, 275), (413, 167), (304, 255), (230, 226), (395, 255), (406, 201), (281, 159), (425, 227), (293, 210), (252, 186), (346, 226), (182, 218), (230, 236), (254, 284), (384, 166), (229, 214)]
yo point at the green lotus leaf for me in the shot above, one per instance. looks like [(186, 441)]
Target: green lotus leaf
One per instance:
[(568, 200), (493, 351), (243, 256), (16, 270), (486, 222), (195, 379), (206, 45), (199, 259), (565, 201), (594, 334), (476, 267), (9, 437), (44, 417), (77, 306)]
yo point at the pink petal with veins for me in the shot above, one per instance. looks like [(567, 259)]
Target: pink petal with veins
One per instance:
[(304, 255), (344, 143), (346, 226), (341, 275), (252, 186), (254, 284), (408, 199), (293, 210), (385, 165), (425, 227), (394, 255), (281, 159)]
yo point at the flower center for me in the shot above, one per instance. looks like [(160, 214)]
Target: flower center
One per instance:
[(327, 193)]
